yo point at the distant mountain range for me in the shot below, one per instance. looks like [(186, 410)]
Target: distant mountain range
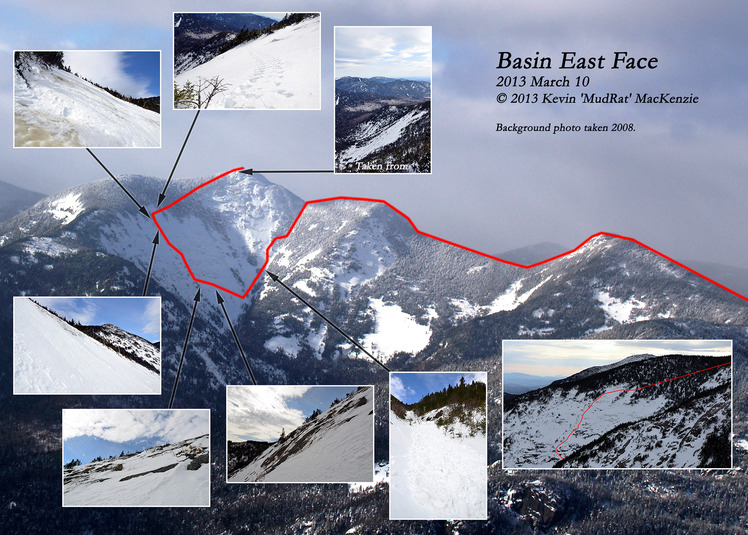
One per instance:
[(14, 200), (198, 37), (417, 303)]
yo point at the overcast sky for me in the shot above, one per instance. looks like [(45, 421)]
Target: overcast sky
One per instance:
[(567, 357), (678, 183), (263, 412), (120, 425), (394, 52)]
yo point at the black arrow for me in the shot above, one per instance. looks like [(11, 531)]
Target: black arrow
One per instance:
[(150, 264), (142, 209), (253, 171), (162, 195), (321, 315), (184, 349), (236, 338)]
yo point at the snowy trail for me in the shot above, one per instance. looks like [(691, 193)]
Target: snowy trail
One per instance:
[(276, 71), (433, 475)]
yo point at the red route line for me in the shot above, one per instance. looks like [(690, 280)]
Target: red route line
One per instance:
[(631, 390), (364, 199)]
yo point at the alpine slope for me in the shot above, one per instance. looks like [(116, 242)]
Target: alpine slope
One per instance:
[(55, 108), (280, 70), (53, 357), (170, 475)]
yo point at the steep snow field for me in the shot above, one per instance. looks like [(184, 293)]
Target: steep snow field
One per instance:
[(335, 447), (372, 136), (276, 71), (58, 109), (51, 357), (659, 438), (173, 475), (434, 475)]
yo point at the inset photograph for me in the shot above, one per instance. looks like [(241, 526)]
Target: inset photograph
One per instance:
[(247, 61), (86, 345), (136, 457), (300, 434), (438, 446), (87, 98), (383, 99), (617, 404)]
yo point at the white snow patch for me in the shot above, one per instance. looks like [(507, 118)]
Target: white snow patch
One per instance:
[(395, 330), (435, 475), (67, 208)]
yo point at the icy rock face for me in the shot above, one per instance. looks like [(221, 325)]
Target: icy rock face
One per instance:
[(539, 504)]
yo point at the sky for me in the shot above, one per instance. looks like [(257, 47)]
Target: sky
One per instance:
[(262, 412), (394, 52), (91, 433), (137, 315), (410, 387), (677, 183), (132, 73), (567, 357)]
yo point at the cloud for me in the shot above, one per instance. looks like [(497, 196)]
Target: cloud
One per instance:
[(79, 309), (383, 51), (152, 317), (106, 68), (123, 425), (399, 390), (261, 412)]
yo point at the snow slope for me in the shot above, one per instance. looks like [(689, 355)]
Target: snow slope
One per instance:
[(54, 108), (172, 475), (335, 447), (434, 475), (660, 426), (280, 70), (51, 357), (371, 136)]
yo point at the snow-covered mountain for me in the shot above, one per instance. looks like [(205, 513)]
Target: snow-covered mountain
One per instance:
[(14, 200), (383, 87), (417, 302), (52, 357), (55, 108), (335, 447), (170, 475), (279, 70), (610, 416), (413, 300), (382, 125)]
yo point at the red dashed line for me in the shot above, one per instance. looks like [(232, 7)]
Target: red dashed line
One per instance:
[(363, 199), (630, 390)]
